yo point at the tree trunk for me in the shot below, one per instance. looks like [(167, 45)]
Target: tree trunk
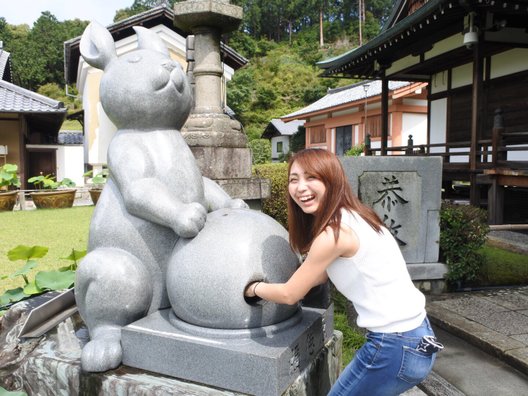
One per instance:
[(360, 14), (321, 38)]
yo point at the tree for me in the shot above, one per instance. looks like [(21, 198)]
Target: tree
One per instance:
[(5, 31), (140, 6), (298, 140), (260, 150), (54, 91), (37, 53), (273, 85)]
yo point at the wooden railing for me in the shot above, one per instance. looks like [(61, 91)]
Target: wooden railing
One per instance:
[(490, 153)]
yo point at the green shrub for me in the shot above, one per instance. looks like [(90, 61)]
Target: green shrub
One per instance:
[(355, 151), (261, 151), (275, 206), (463, 231)]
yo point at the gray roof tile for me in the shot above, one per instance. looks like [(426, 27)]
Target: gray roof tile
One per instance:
[(20, 100), (348, 94), (71, 137), (287, 128)]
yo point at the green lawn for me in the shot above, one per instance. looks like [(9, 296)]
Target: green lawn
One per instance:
[(502, 267), (58, 229), (71, 125)]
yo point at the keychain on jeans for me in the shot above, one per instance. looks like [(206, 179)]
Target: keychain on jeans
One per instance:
[(429, 344)]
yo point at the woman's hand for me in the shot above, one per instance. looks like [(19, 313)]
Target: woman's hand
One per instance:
[(250, 289)]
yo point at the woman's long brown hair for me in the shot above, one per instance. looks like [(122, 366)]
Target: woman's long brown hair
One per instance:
[(325, 166)]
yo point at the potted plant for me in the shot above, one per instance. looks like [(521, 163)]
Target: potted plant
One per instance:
[(8, 181), (97, 183), (53, 194)]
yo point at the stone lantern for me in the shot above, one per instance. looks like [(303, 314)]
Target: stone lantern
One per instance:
[(216, 140)]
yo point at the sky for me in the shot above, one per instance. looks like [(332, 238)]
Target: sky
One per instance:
[(17, 12)]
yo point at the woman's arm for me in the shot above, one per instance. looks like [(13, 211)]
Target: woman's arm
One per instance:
[(312, 272)]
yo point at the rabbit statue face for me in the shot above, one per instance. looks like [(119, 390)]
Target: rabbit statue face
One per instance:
[(146, 90), (143, 89)]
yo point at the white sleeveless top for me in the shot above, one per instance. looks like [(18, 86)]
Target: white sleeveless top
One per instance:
[(376, 281)]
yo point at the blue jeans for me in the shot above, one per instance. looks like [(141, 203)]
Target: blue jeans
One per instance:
[(387, 364)]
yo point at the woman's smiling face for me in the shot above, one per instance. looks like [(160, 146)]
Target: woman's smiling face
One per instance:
[(305, 189)]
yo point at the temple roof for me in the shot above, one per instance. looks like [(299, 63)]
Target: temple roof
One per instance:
[(343, 95), (417, 25), (20, 100), (160, 15)]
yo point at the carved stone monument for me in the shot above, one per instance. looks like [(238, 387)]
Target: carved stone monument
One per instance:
[(405, 192)]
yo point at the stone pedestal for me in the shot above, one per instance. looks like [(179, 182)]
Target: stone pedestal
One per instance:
[(50, 365), (262, 361)]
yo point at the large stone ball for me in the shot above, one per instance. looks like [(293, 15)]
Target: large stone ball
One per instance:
[(207, 275)]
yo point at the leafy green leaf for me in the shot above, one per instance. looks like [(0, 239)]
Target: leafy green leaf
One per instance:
[(4, 392), (22, 252), (12, 295), (25, 269), (32, 288), (10, 168), (75, 255), (55, 280), (66, 182)]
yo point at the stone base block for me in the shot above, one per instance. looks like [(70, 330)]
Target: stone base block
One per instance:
[(427, 271), (247, 189), (223, 162), (258, 365), (50, 366)]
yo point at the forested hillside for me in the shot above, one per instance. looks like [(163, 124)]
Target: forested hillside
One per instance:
[(282, 40)]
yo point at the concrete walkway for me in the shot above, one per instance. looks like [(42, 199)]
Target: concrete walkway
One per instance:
[(485, 333), (486, 337), (471, 371), (494, 320)]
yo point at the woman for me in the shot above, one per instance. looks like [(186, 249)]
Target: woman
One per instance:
[(346, 241)]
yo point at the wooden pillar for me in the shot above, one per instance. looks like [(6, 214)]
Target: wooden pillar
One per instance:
[(384, 115), (478, 72), (22, 134), (495, 202)]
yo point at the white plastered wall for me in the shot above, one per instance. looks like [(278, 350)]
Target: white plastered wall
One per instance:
[(415, 125), (70, 163), (285, 146)]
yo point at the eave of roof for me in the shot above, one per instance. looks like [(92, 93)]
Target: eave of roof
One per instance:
[(418, 32), (333, 65), (287, 128), (342, 97), (15, 99), (158, 15)]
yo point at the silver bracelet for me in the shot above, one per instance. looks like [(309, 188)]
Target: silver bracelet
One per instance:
[(255, 288)]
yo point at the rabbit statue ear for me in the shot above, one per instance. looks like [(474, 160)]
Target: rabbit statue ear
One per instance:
[(97, 46), (147, 39)]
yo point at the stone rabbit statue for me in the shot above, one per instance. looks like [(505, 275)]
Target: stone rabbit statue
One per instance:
[(155, 192)]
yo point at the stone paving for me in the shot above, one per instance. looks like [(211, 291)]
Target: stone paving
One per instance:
[(494, 320)]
